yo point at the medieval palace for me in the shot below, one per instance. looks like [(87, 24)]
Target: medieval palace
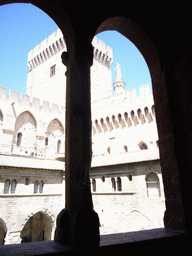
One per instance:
[(125, 176)]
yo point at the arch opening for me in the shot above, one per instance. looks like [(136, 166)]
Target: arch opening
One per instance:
[(37, 228)]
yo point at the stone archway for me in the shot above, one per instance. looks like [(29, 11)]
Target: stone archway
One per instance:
[(134, 221), (3, 231), (37, 228), (24, 139), (174, 215)]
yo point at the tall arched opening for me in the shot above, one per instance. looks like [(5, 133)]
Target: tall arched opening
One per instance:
[(174, 216), (37, 228)]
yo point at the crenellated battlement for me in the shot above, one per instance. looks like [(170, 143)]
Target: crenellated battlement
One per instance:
[(55, 43), (28, 102), (46, 49), (130, 97), (123, 111), (102, 52)]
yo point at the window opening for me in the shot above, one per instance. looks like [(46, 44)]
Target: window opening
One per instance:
[(130, 177), (19, 138), (1, 116), (113, 184), (119, 185), (58, 146), (41, 187), (6, 186), (13, 186), (94, 185), (152, 183), (46, 141), (142, 146), (36, 186), (52, 70), (27, 181)]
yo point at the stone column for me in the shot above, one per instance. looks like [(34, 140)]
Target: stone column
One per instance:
[(80, 224), (174, 215)]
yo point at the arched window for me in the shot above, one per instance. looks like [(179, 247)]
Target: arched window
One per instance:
[(27, 181), (58, 146), (41, 187), (19, 138), (119, 186), (125, 148), (94, 185), (6, 186), (113, 184), (130, 177), (36, 185), (13, 186), (46, 141), (152, 183)]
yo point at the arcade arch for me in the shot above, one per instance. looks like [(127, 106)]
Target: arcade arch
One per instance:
[(24, 140), (37, 228)]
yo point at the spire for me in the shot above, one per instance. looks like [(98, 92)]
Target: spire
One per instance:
[(119, 85)]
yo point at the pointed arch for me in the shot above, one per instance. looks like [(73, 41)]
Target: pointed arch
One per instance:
[(55, 124), (23, 118), (37, 228), (25, 134), (153, 185)]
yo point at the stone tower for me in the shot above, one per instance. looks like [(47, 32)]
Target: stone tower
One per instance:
[(46, 78)]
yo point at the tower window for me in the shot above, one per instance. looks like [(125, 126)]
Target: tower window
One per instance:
[(52, 70)]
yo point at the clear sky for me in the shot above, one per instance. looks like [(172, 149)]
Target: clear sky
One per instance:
[(23, 26)]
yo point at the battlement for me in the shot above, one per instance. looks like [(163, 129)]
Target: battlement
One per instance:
[(102, 52), (26, 101), (130, 97), (55, 43), (46, 49)]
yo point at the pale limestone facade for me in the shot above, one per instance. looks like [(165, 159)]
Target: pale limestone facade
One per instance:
[(126, 180)]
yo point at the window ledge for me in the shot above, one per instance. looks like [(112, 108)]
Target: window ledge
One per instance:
[(29, 195), (145, 241)]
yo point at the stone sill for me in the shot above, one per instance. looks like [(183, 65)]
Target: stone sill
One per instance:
[(155, 240), (28, 195), (115, 193)]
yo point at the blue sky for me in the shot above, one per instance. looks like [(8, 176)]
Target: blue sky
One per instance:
[(23, 26)]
